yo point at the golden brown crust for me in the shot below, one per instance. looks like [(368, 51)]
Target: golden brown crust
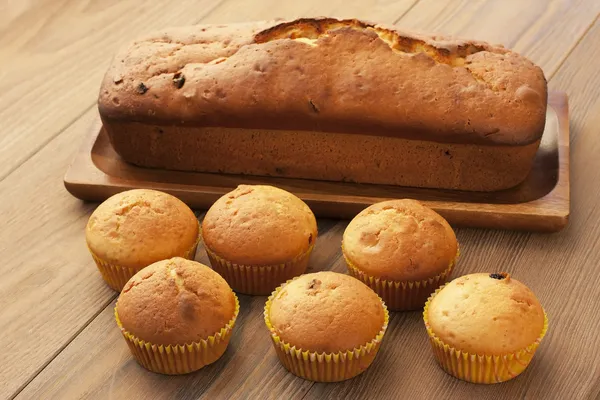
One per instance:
[(259, 225), (326, 312), (138, 227), (400, 240), (482, 315), (175, 301), (354, 78)]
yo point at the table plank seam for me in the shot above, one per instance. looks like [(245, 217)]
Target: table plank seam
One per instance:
[(44, 144), (575, 45), (72, 121), (308, 391), (396, 21), (404, 13), (567, 55), (63, 347)]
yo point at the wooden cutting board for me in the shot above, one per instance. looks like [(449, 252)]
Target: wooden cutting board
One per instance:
[(540, 203)]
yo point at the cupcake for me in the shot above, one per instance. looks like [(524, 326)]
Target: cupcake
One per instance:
[(325, 326), (176, 316), (484, 328), (136, 228), (402, 250), (257, 237)]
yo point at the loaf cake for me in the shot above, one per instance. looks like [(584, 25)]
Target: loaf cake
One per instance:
[(341, 100)]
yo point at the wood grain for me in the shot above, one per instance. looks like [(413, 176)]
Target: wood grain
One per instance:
[(249, 358), (559, 268), (59, 52), (50, 289), (387, 11), (43, 69), (544, 31)]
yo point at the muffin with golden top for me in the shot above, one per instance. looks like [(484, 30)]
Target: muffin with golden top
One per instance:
[(136, 228), (325, 326), (177, 316), (402, 250), (257, 237), (485, 328)]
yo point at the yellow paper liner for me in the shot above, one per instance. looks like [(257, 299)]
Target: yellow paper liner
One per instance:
[(116, 276), (258, 279), (402, 295), (324, 367), (478, 368), (177, 359)]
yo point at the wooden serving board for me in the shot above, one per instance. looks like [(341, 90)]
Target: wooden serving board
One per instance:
[(540, 203)]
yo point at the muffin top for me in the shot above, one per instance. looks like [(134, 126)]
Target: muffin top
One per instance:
[(486, 314), (175, 301), (326, 312), (259, 225), (400, 240), (138, 227)]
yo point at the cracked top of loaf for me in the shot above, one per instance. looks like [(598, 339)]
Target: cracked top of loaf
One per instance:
[(329, 75)]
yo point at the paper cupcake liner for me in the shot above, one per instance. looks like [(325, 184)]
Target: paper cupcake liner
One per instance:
[(258, 279), (324, 367), (177, 359), (402, 295), (478, 368), (116, 276)]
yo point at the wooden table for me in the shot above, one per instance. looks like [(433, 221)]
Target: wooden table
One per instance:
[(59, 339)]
